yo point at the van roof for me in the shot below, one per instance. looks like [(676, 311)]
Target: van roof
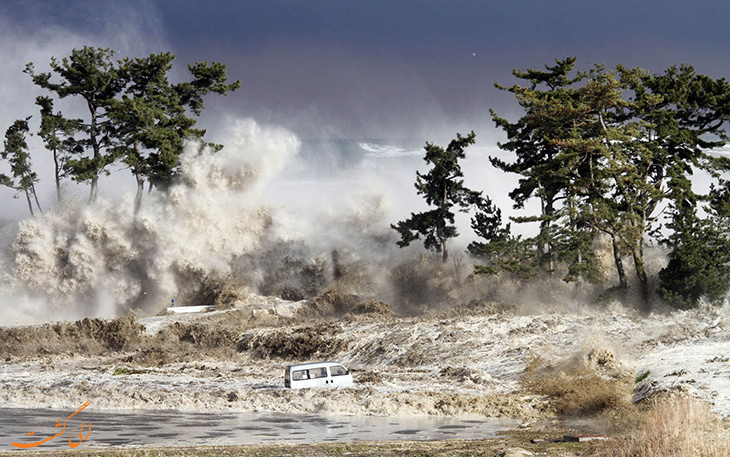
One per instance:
[(313, 365)]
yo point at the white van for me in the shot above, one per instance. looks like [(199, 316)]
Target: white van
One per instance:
[(318, 374)]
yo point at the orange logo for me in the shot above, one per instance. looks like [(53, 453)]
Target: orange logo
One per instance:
[(71, 444)]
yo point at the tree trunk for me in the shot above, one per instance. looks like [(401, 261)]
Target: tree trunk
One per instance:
[(30, 205), (548, 210), (35, 197), (140, 190), (93, 190), (58, 176), (643, 281), (622, 282), (96, 150), (444, 248), (542, 249), (139, 178)]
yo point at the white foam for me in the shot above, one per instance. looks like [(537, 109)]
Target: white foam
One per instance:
[(388, 151)]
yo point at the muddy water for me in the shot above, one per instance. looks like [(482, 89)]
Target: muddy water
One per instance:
[(169, 428)]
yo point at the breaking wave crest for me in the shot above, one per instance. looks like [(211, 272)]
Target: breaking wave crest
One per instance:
[(103, 260)]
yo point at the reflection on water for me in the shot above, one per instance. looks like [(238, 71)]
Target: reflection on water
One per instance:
[(170, 428)]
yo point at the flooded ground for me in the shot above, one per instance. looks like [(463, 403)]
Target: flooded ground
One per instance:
[(172, 428), (216, 379), (469, 362)]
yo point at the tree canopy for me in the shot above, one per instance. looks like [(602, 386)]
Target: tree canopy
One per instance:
[(606, 152), (135, 114)]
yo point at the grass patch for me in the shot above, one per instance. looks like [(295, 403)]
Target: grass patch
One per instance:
[(445, 448), (123, 371), (120, 371), (674, 427), (642, 376)]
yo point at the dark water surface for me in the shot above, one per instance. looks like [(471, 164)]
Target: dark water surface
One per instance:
[(170, 428)]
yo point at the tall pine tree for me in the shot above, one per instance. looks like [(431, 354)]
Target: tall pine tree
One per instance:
[(443, 189)]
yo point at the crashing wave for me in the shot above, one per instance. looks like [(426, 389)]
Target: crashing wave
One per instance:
[(216, 228)]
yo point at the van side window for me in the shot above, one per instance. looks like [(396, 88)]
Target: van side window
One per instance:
[(338, 370), (318, 373), (298, 375)]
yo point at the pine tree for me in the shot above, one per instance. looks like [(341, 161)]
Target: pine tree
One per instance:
[(699, 257), (150, 120), (681, 120), (92, 75), (443, 189), (602, 151), (15, 151), (498, 249), (551, 169)]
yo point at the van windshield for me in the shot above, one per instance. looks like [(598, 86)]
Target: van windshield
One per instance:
[(338, 370)]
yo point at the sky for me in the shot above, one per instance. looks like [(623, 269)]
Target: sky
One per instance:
[(364, 69), (380, 69)]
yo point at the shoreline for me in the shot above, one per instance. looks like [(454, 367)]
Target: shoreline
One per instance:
[(547, 442)]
